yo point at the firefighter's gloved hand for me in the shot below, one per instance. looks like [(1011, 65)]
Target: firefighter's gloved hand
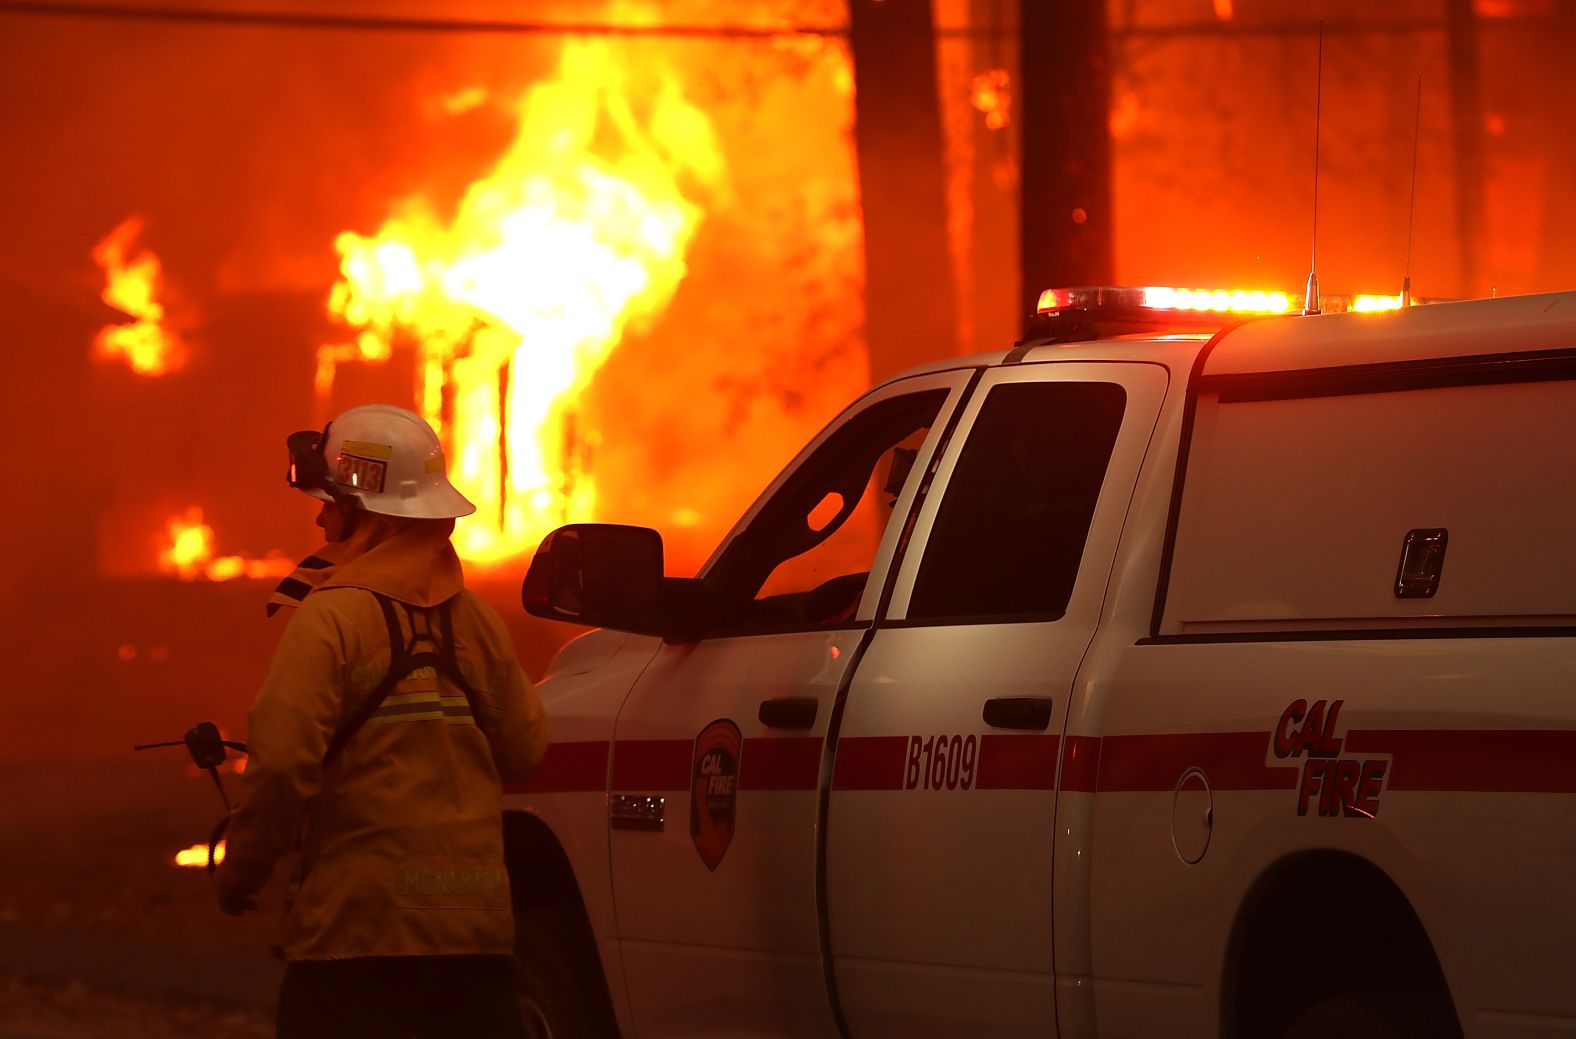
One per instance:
[(233, 900)]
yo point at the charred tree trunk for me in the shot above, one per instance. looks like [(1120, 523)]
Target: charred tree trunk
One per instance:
[(988, 308), (1466, 108), (1067, 222), (902, 183), (1554, 265)]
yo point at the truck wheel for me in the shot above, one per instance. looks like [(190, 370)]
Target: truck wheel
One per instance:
[(557, 980), (1364, 1015)]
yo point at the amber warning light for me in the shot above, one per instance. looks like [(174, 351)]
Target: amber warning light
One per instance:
[(1158, 301)]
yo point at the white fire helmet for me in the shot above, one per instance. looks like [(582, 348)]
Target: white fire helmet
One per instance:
[(387, 458)]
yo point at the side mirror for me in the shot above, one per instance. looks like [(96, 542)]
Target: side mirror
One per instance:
[(601, 575)]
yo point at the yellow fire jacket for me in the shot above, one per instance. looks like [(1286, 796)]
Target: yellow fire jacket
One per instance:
[(401, 835)]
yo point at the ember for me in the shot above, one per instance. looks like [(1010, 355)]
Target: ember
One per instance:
[(133, 282), (513, 305)]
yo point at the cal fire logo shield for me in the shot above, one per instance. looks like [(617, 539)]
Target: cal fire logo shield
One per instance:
[(714, 789)]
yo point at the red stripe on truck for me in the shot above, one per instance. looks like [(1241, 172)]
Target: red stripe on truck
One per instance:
[(1456, 760), (1006, 762), (765, 764), (642, 765), (787, 763), (1231, 761), (792, 763), (1523, 761), (567, 768), (870, 763), (1081, 764), (1017, 762)]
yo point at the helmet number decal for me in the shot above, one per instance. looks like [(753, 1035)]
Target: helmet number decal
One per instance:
[(364, 474)]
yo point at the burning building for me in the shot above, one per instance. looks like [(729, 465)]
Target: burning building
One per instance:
[(597, 258), (506, 259)]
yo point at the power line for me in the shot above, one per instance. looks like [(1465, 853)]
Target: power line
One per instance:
[(1245, 29), (305, 20), (302, 20)]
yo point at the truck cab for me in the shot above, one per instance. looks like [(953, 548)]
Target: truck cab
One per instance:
[(1186, 680)]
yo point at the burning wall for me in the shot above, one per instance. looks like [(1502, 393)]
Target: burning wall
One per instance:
[(238, 155), (134, 285), (244, 154), (513, 304), (554, 247)]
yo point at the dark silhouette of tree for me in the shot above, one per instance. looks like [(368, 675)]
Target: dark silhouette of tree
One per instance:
[(1467, 113), (1067, 224), (909, 313)]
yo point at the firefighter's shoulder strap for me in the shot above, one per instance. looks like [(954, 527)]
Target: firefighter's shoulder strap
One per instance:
[(406, 656)]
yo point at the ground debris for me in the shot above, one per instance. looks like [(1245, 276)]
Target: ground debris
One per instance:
[(31, 1009)]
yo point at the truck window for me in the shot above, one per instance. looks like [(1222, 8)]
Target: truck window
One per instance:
[(1009, 535), (805, 559)]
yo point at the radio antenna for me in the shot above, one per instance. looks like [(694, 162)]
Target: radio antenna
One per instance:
[(1411, 209), (1310, 297)]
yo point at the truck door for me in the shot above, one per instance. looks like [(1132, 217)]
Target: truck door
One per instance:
[(718, 753), (942, 809)]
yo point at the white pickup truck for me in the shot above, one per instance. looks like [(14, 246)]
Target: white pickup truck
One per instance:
[(1152, 685)]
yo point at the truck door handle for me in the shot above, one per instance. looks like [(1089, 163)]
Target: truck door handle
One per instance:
[(789, 712), (1019, 712)]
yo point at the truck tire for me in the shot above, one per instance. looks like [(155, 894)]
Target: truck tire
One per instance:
[(558, 979), (1364, 1015)]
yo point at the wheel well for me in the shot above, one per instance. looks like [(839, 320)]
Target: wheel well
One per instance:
[(542, 881), (539, 871), (1322, 923)]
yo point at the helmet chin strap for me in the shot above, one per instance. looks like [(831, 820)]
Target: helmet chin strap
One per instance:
[(349, 512)]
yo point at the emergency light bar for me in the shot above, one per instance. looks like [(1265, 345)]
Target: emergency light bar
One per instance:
[(1161, 304)]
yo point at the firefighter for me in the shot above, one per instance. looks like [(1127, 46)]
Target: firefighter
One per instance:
[(392, 711)]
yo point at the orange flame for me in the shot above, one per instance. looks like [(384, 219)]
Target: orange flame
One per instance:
[(196, 856), (189, 554), (513, 305), (133, 283)]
